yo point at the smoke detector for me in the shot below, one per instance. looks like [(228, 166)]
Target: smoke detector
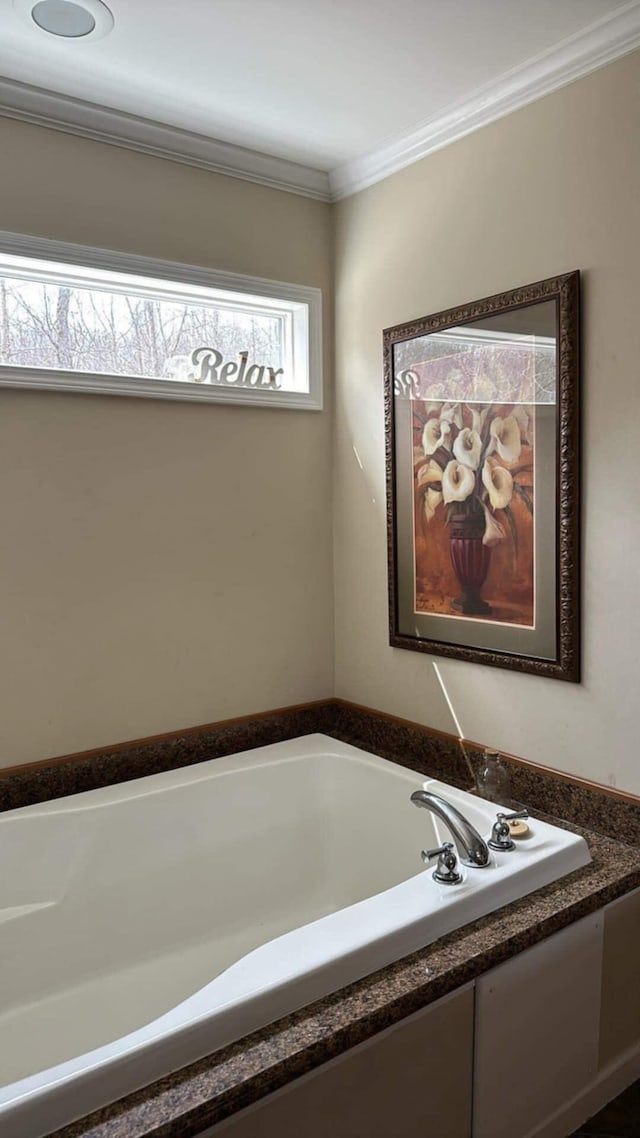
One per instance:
[(84, 20)]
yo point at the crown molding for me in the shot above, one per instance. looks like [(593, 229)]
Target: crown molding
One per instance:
[(117, 128), (601, 43), (586, 51)]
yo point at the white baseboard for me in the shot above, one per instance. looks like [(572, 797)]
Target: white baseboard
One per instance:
[(608, 1084)]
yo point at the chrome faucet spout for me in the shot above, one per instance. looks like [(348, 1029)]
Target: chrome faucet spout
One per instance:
[(472, 847)]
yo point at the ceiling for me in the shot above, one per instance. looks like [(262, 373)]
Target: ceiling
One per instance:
[(345, 90)]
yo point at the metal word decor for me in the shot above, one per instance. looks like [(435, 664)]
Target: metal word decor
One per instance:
[(482, 433), (213, 368)]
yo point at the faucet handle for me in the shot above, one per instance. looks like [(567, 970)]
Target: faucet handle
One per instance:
[(524, 813), (446, 871), (500, 834)]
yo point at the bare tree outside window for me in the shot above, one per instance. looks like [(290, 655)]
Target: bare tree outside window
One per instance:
[(94, 330), (74, 318)]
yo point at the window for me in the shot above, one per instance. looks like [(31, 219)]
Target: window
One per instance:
[(79, 319)]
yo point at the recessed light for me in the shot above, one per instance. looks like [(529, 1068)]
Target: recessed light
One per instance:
[(62, 18), (87, 19)]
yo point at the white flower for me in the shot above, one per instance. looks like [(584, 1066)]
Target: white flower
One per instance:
[(430, 472), (498, 482), (429, 479), (458, 482), (452, 413), (478, 418), (505, 434), (493, 531), (522, 419), (432, 500), (467, 448), (435, 435)]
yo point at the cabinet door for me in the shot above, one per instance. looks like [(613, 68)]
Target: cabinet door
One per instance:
[(410, 1081), (620, 1018), (537, 1028)]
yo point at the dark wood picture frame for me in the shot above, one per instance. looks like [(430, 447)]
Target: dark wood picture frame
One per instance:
[(530, 618)]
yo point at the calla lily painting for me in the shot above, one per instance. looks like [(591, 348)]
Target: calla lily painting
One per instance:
[(482, 480), (474, 471)]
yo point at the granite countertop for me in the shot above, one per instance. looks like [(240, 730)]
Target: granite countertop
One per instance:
[(185, 1103)]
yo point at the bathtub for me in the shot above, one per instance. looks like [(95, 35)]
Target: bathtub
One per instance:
[(145, 925)]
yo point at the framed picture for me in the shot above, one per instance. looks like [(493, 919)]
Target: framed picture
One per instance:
[(482, 436)]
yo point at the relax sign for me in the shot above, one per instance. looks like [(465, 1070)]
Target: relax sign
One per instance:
[(210, 366)]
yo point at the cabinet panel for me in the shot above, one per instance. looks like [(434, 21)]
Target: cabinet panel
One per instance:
[(411, 1081), (537, 1028), (620, 1017)]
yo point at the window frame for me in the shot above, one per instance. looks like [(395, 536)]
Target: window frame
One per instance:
[(306, 348)]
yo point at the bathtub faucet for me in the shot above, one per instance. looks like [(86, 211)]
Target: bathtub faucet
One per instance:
[(472, 848)]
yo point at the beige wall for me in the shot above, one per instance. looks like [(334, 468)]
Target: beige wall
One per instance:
[(162, 564), (165, 564), (550, 188)]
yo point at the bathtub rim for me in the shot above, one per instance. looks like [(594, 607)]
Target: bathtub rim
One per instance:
[(219, 767)]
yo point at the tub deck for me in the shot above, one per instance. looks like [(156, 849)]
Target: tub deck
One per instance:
[(156, 921)]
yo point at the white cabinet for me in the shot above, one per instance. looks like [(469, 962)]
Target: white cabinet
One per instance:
[(537, 1032), (411, 1081), (620, 1019), (555, 1034)]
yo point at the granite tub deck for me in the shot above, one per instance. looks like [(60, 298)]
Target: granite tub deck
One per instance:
[(183, 1104), (149, 924), (186, 1102)]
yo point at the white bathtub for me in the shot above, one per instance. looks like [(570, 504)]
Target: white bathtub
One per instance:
[(145, 925)]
